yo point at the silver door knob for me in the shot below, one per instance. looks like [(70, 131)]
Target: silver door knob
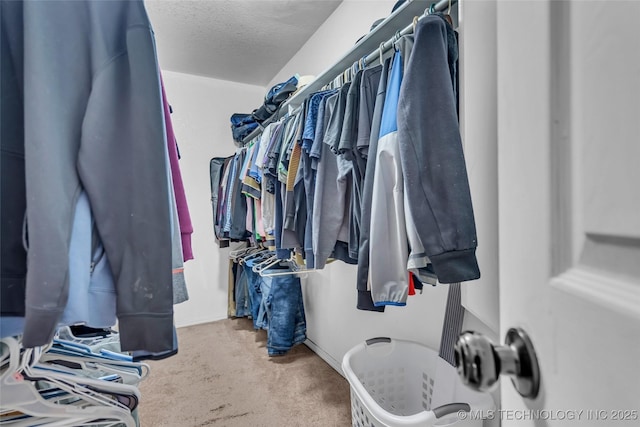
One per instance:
[(480, 362)]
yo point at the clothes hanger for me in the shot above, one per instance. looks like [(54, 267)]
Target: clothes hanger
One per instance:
[(20, 394), (257, 258), (66, 392), (132, 373), (28, 421), (244, 259), (273, 261), (447, 15), (267, 262), (86, 351), (31, 367), (53, 393), (302, 273), (80, 367), (253, 250), (104, 392), (432, 10), (265, 270), (396, 38), (23, 420), (236, 253)]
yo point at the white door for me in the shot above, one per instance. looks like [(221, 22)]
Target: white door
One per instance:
[(569, 205)]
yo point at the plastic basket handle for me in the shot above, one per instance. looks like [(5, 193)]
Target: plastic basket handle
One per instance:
[(371, 341), (450, 408)]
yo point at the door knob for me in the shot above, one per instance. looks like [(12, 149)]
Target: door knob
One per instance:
[(480, 362)]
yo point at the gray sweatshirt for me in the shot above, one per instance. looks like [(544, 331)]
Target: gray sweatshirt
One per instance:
[(331, 196), (94, 121)]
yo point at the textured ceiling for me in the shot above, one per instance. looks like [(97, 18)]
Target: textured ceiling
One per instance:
[(246, 41)]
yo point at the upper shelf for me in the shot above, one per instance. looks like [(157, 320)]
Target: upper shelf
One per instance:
[(396, 21)]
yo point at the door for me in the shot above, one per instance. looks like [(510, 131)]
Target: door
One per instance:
[(569, 206)]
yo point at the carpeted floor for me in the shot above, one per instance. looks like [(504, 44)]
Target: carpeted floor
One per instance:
[(222, 376)]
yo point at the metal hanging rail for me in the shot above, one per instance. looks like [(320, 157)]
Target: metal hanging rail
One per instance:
[(368, 47), (440, 6)]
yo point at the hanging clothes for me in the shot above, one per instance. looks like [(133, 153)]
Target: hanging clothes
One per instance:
[(13, 203), (365, 300), (312, 136), (342, 176), (274, 303), (332, 189), (432, 157), (92, 289), (216, 172), (418, 263), (86, 132), (184, 217), (294, 202), (346, 149), (236, 208), (388, 279)]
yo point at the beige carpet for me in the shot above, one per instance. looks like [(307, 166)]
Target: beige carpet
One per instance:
[(222, 376)]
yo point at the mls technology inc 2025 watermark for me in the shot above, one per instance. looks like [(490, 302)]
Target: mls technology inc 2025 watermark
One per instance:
[(616, 415)]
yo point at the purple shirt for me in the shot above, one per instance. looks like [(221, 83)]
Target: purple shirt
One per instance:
[(181, 200)]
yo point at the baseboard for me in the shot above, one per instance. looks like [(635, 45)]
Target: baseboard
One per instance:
[(198, 322), (325, 356)]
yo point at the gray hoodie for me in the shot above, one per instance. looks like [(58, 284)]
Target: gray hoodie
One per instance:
[(94, 121)]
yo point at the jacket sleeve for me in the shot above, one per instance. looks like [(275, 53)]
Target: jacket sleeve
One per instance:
[(328, 207), (122, 165), (432, 159)]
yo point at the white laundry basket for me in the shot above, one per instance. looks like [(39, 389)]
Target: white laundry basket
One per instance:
[(402, 383)]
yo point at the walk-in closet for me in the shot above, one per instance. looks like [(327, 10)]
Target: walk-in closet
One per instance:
[(321, 213)]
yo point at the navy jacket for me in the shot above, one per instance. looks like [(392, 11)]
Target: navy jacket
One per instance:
[(432, 158)]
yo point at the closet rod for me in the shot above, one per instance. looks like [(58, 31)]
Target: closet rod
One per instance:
[(441, 6), (367, 44)]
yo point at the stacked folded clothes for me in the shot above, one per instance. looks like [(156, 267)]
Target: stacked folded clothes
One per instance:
[(243, 124)]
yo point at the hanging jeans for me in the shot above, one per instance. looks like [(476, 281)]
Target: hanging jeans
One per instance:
[(255, 293), (262, 322), (285, 314), (243, 302), (276, 305)]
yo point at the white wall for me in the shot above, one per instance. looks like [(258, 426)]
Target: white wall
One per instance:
[(350, 21), (479, 128), (201, 111)]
